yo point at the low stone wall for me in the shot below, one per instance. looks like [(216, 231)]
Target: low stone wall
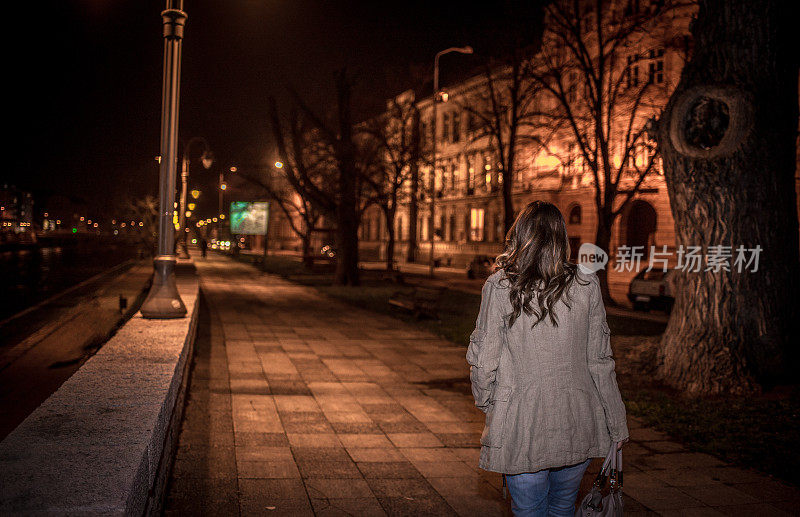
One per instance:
[(102, 443)]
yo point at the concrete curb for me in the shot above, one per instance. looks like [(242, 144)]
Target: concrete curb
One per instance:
[(101, 444)]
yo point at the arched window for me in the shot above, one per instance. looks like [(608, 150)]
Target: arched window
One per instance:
[(575, 215)]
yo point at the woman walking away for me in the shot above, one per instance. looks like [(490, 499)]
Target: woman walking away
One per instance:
[(541, 368)]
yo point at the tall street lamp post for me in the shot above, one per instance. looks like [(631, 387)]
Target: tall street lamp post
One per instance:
[(163, 300), (432, 225), (207, 160)]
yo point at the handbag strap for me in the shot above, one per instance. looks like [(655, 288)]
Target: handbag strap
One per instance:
[(609, 465), (616, 480)]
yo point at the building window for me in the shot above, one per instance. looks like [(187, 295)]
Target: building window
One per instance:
[(439, 180), (632, 73), (476, 216), (471, 166), (575, 215), (474, 122), (487, 171), (456, 130), (655, 66), (446, 127)]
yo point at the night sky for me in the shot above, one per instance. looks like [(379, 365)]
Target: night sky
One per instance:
[(85, 105)]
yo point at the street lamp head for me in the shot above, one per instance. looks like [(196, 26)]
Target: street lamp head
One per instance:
[(465, 50), (207, 159), (279, 165)]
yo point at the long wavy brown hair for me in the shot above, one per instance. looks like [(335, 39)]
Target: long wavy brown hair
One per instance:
[(535, 262)]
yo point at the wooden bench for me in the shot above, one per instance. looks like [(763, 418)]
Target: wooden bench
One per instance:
[(421, 301)]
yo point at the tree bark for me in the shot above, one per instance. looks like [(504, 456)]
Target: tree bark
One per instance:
[(308, 260), (390, 239), (727, 138), (347, 217), (603, 240), (508, 202)]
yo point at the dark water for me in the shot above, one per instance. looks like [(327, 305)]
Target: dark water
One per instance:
[(29, 276)]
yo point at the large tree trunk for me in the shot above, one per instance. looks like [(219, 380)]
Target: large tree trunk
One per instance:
[(602, 239), (308, 260), (508, 200), (390, 241), (347, 223), (347, 249), (347, 217), (389, 213), (727, 138)]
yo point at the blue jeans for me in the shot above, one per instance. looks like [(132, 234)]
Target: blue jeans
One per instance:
[(547, 492)]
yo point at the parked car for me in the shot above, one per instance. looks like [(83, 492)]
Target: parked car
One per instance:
[(652, 290), (481, 266)]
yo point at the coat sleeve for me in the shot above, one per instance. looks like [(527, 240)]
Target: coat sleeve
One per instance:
[(601, 365), (485, 345)]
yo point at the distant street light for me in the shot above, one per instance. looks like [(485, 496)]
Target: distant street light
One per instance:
[(207, 160), (432, 221), (163, 300), (279, 165)]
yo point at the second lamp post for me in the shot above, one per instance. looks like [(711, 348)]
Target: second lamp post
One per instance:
[(432, 227), (207, 160)]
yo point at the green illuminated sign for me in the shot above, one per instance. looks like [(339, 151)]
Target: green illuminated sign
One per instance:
[(249, 218)]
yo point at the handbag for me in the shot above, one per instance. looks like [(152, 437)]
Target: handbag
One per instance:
[(595, 504)]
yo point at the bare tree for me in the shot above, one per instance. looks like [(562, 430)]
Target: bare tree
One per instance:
[(500, 111), (728, 138), (597, 95), (144, 210), (322, 166), (396, 136), (302, 216)]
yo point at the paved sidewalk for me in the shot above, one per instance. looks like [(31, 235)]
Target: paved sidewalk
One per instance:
[(302, 405)]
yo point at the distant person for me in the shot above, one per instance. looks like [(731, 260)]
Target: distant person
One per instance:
[(542, 370), (203, 247)]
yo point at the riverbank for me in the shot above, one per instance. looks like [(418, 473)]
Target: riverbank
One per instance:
[(44, 347)]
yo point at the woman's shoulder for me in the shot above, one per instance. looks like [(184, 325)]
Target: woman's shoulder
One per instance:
[(499, 279), (586, 282), (585, 276)]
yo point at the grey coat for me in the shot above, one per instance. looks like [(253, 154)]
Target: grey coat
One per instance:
[(549, 393)]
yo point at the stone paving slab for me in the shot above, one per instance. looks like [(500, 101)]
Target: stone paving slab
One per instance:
[(303, 405)]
